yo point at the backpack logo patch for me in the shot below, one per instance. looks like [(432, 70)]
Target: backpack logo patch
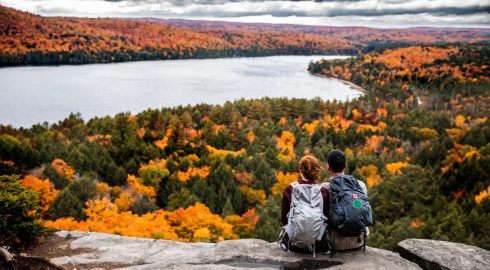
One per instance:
[(357, 203)]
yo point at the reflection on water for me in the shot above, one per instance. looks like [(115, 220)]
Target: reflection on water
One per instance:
[(31, 95)]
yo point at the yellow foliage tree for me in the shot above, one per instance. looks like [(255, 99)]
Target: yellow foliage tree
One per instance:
[(348, 152), (153, 172), (455, 133), (285, 143), (366, 127), (311, 127), (138, 187), (370, 173), (125, 200), (186, 221), (222, 153), (425, 133), (253, 196), (202, 235), (356, 115), (251, 136), (395, 167), (283, 180), (460, 122)]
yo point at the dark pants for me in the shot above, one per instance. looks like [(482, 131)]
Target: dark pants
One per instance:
[(320, 246)]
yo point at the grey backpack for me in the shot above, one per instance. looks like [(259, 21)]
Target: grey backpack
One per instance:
[(306, 221)]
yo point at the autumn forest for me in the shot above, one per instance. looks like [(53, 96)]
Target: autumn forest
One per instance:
[(419, 137), (30, 39)]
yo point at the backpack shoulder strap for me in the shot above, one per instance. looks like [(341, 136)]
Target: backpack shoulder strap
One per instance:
[(326, 185), (294, 184), (363, 187)]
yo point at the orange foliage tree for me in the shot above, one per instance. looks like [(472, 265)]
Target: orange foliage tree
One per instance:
[(483, 195), (45, 188), (193, 172), (195, 223), (63, 169), (244, 226)]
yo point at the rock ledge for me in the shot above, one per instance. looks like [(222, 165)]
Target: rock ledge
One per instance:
[(442, 255), (141, 253)]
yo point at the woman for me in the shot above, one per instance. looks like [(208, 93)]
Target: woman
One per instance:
[(309, 169)]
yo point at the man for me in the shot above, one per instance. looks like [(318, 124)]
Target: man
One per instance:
[(357, 198)]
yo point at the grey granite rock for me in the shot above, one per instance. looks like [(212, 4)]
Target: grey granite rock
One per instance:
[(141, 253), (433, 254)]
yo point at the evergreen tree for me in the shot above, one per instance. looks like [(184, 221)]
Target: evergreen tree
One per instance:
[(227, 208), (19, 213), (143, 205), (66, 205), (269, 224)]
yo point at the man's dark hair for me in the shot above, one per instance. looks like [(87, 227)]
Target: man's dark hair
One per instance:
[(336, 161)]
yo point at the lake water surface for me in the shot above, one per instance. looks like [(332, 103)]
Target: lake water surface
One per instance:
[(30, 95)]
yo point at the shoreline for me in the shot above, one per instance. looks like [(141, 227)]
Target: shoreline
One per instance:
[(168, 59), (351, 84)]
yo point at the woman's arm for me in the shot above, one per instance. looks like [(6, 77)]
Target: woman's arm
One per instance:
[(326, 201), (286, 204)]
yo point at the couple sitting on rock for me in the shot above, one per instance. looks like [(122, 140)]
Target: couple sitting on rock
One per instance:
[(330, 216)]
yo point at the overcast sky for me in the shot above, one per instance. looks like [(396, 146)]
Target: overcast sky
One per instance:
[(376, 13)]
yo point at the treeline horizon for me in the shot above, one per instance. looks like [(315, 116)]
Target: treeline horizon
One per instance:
[(27, 39)]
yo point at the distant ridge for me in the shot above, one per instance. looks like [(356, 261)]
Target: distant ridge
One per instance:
[(215, 23), (27, 39)]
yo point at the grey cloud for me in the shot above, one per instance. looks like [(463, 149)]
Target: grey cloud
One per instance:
[(334, 12), (279, 8), (221, 2), (359, 12)]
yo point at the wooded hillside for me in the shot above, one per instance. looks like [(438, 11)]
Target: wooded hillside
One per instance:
[(212, 172), (27, 39)]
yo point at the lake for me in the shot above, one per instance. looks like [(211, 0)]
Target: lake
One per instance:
[(32, 95)]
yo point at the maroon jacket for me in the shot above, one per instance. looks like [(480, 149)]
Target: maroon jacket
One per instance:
[(286, 200)]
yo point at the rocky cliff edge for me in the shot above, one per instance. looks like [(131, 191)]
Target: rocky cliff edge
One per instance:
[(89, 250)]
